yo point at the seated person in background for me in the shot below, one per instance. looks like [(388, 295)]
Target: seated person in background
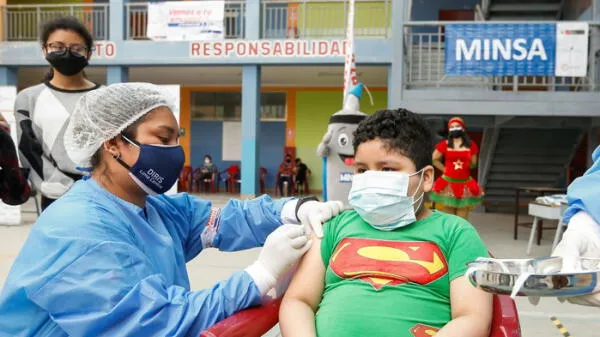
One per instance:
[(208, 168), (285, 173), (302, 173), (204, 172), (390, 267), (14, 187)]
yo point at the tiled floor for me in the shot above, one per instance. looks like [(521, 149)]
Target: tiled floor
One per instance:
[(495, 229)]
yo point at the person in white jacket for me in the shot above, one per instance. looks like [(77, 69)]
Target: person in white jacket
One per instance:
[(582, 237)]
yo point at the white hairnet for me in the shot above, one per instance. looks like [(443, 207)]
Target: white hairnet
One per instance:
[(104, 113)]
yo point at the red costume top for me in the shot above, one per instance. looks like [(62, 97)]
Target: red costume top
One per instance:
[(456, 187), (457, 162)]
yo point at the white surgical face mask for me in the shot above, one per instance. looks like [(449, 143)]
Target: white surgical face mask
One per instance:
[(207, 161), (381, 199)]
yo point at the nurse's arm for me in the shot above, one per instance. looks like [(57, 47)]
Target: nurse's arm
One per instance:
[(471, 311), (112, 290), (246, 224), (300, 303)]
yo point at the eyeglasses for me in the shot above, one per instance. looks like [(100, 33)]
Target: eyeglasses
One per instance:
[(60, 47)]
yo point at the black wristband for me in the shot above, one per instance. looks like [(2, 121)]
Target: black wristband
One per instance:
[(303, 200)]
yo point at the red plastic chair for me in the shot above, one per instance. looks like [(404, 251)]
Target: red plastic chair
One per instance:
[(185, 179), (234, 177), (262, 179), (255, 322)]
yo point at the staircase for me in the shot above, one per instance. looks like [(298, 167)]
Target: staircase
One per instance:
[(523, 10), (531, 158)]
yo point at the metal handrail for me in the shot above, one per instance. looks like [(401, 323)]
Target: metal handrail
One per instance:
[(22, 22), (57, 5)]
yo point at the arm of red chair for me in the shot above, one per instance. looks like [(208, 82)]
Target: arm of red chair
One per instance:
[(253, 322), (505, 322)]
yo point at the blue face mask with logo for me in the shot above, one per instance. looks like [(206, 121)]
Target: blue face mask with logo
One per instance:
[(157, 168), (381, 199)]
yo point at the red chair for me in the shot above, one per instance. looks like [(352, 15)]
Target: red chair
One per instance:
[(262, 179), (234, 177), (200, 183), (255, 322), (185, 179)]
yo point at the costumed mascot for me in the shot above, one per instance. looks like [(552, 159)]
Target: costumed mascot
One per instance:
[(336, 148)]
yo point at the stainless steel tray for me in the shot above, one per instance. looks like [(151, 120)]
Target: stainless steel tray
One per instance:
[(534, 277)]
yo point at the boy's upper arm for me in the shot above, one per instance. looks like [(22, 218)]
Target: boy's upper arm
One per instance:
[(309, 281), (465, 299), (465, 246)]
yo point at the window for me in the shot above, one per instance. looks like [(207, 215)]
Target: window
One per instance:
[(227, 106)]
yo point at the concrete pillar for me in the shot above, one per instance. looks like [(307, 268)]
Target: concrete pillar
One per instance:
[(251, 75), (8, 76), (116, 34), (396, 69), (593, 139), (117, 74)]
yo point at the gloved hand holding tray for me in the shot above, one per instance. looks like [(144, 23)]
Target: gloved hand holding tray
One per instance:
[(540, 277)]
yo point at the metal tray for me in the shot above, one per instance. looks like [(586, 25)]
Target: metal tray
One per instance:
[(534, 277)]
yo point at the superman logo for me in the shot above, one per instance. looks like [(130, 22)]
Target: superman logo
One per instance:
[(422, 330), (387, 263)]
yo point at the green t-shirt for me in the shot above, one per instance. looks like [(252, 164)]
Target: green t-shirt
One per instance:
[(392, 283)]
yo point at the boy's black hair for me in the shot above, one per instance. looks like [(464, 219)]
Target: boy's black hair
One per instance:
[(400, 130)]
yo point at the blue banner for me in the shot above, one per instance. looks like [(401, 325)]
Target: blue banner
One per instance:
[(500, 49)]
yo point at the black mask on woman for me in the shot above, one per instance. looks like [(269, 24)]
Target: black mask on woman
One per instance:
[(67, 62), (456, 133)]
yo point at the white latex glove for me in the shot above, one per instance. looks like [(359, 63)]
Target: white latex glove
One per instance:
[(281, 286), (282, 249), (581, 239), (312, 214)]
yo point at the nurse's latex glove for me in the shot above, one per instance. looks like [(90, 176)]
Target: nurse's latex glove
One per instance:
[(581, 239), (282, 249), (312, 214)]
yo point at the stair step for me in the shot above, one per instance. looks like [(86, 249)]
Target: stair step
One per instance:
[(505, 149), (541, 168), (522, 17), (512, 184), (522, 177), (525, 7), (527, 160)]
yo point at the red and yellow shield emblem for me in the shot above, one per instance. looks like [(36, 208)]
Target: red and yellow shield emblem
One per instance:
[(422, 330), (388, 263)]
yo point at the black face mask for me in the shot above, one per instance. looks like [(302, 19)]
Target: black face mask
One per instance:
[(456, 133), (288, 161), (67, 62)]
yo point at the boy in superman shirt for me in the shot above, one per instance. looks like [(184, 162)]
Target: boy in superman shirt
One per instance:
[(390, 267)]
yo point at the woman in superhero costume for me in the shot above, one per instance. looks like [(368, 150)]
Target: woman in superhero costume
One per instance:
[(456, 192)]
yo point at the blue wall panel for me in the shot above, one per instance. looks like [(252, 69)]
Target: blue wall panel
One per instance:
[(207, 138)]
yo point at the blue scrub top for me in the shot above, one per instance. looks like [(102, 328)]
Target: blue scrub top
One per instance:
[(96, 265)]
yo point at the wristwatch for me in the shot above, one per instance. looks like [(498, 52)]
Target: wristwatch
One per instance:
[(303, 200)]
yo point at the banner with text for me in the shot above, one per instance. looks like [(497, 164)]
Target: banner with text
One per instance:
[(186, 20), (269, 48), (500, 49), (517, 49)]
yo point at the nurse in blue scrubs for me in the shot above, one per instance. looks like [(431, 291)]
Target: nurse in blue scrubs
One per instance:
[(108, 258)]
